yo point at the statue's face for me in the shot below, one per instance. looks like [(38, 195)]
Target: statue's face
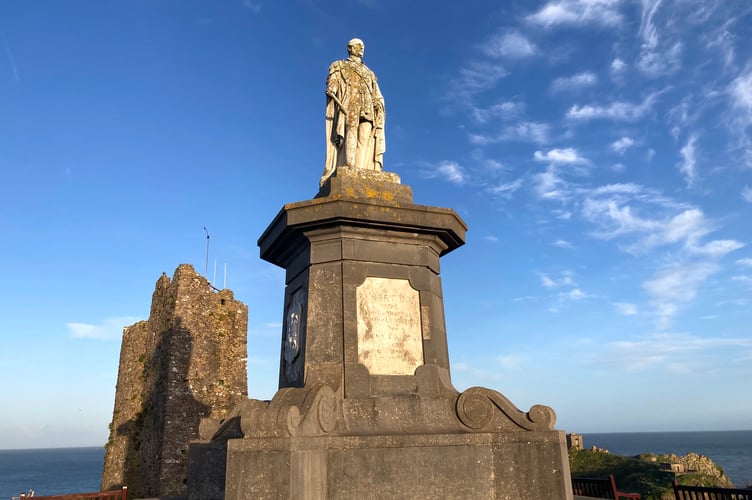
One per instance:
[(356, 49)]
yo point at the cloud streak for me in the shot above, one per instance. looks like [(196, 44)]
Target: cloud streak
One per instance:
[(535, 132), (510, 44), (617, 110), (621, 146), (12, 62), (107, 329), (574, 82), (578, 13), (675, 352), (448, 171), (688, 166), (560, 156)]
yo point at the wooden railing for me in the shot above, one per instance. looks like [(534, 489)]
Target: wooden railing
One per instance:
[(599, 488), (96, 495), (686, 492)]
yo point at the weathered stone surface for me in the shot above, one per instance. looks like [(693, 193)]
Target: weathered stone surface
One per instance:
[(389, 326), (514, 466), (366, 406), (361, 184), (187, 362)]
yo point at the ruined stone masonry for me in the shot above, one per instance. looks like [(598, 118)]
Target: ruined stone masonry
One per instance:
[(183, 368)]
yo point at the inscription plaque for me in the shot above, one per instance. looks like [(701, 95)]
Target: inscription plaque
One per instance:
[(389, 326)]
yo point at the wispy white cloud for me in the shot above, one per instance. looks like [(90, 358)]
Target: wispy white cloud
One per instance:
[(492, 165), (507, 189), (648, 30), (675, 286), (616, 218), (450, 171), (548, 185), (657, 63), (567, 290), (717, 248), (504, 110), (534, 132), (740, 95), (562, 214), (578, 12), (619, 188), (617, 67), (745, 262), (564, 279), (659, 54), (574, 82), (445, 170), (641, 221), (625, 308), (479, 75), (563, 244), (511, 44), (560, 156), (12, 62), (107, 329), (617, 110), (254, 7), (688, 166), (622, 145), (740, 90), (674, 352), (722, 39), (573, 294), (474, 78)]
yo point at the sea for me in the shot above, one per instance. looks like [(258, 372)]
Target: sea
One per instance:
[(79, 470), (731, 450)]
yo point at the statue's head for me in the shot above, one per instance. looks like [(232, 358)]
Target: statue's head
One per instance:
[(356, 47)]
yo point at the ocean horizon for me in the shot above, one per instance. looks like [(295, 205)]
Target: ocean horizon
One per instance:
[(730, 450), (55, 471)]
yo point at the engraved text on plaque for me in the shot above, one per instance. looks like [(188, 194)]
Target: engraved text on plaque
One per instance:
[(389, 326)]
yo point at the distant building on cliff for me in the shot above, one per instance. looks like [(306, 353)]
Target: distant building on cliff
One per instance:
[(574, 442), (185, 364)]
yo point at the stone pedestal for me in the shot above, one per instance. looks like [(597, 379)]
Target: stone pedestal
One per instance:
[(366, 408)]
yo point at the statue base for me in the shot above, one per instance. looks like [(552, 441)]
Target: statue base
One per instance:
[(366, 407), (366, 184), (516, 465)]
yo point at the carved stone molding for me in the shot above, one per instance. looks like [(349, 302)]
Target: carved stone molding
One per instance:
[(485, 410), (310, 411)]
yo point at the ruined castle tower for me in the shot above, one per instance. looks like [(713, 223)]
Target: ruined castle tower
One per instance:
[(184, 365)]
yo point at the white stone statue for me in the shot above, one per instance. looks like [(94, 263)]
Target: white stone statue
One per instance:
[(355, 115)]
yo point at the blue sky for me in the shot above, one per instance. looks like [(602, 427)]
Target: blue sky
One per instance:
[(599, 150)]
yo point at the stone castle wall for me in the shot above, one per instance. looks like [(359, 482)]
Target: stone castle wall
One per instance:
[(186, 363)]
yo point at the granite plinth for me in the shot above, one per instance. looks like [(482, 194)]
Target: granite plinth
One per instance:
[(515, 466), (366, 407)]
